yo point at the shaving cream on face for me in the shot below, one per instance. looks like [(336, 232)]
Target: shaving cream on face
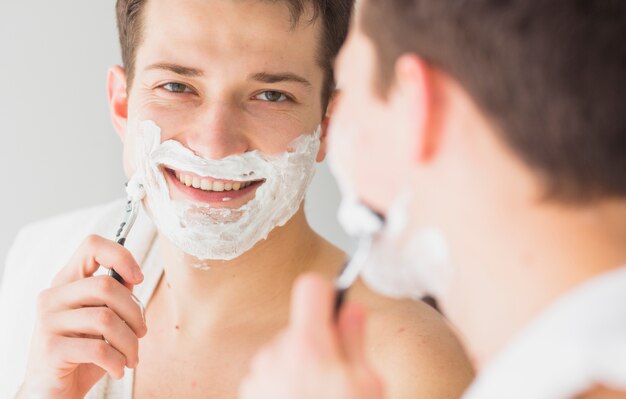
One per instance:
[(217, 233), (404, 261), (134, 188), (408, 262)]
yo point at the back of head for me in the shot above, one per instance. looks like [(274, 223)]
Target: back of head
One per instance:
[(548, 74)]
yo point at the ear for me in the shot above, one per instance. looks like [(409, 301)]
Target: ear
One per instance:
[(321, 155), (415, 82), (118, 99)]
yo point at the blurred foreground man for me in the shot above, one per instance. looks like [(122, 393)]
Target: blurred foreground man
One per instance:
[(492, 136)]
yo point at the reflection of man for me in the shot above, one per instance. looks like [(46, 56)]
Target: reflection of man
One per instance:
[(218, 108), (496, 131)]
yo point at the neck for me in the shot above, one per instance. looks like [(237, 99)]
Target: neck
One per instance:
[(518, 252), (255, 284), (536, 256)]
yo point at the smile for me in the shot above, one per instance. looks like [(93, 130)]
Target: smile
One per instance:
[(208, 189), (207, 184)]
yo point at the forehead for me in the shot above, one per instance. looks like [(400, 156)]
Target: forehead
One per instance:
[(242, 32)]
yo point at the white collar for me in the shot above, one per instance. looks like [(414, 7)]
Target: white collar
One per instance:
[(577, 343)]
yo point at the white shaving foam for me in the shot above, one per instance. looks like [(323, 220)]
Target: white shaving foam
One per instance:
[(135, 189), (408, 262), (207, 232)]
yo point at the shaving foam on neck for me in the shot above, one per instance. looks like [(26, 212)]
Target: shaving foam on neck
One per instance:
[(207, 232)]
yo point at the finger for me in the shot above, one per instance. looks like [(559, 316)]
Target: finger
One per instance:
[(95, 292), (84, 350), (100, 321), (97, 251), (352, 332), (311, 304)]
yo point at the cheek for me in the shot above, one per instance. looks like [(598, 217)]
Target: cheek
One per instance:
[(368, 151), (230, 129)]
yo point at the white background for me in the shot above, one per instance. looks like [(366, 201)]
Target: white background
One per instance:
[(59, 151)]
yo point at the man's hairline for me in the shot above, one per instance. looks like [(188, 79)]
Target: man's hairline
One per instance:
[(327, 68)]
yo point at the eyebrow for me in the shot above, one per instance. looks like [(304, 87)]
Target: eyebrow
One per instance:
[(266, 77), (177, 69)]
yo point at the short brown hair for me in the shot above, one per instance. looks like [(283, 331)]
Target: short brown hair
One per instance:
[(335, 16), (549, 74)]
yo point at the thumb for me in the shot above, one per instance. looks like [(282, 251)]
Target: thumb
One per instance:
[(352, 332), (311, 305)]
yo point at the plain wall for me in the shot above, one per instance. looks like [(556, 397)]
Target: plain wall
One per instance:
[(59, 151)]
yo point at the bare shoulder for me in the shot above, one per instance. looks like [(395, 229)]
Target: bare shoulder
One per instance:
[(413, 348)]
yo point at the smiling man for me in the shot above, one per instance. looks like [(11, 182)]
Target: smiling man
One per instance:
[(221, 107)]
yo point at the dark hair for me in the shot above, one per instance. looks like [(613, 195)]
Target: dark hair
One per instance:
[(549, 74), (335, 16)]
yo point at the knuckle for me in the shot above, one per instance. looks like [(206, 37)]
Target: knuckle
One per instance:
[(105, 285), (105, 318), (91, 241), (100, 350)]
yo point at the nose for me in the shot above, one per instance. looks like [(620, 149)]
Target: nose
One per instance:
[(216, 132)]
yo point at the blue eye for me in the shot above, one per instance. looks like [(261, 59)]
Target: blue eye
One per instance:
[(176, 87), (272, 96)]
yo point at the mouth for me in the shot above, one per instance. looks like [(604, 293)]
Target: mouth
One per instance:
[(210, 190)]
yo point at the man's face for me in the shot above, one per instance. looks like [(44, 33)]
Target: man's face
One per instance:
[(379, 145), (224, 78), (369, 134)]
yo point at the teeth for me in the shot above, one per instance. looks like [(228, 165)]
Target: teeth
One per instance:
[(218, 186), (208, 185)]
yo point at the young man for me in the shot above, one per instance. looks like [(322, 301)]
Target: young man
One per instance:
[(496, 131), (218, 107)]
